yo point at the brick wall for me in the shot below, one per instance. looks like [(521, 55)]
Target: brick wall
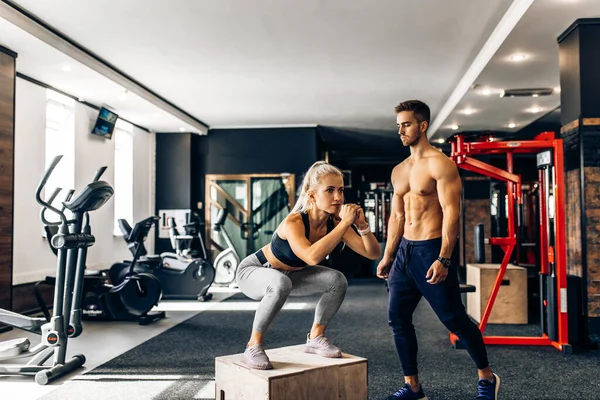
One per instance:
[(591, 159), (573, 212), (592, 214)]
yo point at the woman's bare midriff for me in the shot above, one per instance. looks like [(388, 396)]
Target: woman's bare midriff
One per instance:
[(274, 261)]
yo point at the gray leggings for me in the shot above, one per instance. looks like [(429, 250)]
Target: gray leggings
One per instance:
[(272, 287)]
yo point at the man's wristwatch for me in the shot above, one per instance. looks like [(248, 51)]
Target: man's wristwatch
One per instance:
[(445, 261)]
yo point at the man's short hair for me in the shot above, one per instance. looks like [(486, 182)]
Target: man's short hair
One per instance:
[(419, 109)]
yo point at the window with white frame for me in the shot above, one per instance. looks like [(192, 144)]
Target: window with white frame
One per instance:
[(60, 140), (123, 181)]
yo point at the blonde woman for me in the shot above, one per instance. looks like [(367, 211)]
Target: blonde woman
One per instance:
[(288, 265)]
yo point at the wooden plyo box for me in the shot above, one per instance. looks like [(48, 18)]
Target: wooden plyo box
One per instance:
[(510, 306), (295, 375)]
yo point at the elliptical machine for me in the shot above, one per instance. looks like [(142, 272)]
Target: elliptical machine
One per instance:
[(71, 241), (227, 261), (130, 300), (181, 278), (93, 280)]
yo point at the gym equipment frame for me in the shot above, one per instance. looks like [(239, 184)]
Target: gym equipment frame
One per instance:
[(553, 260), (241, 215)]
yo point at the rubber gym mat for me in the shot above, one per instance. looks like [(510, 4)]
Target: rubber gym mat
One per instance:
[(360, 328)]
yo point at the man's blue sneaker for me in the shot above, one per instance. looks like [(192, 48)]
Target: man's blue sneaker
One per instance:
[(487, 390), (406, 393)]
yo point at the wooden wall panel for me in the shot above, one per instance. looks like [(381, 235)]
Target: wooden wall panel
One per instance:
[(7, 118)]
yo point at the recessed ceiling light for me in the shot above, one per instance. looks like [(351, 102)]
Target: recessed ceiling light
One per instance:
[(486, 92), (517, 57), (511, 125), (468, 111), (557, 89), (509, 20), (534, 110), (454, 127), (535, 95), (66, 68), (182, 129), (440, 140)]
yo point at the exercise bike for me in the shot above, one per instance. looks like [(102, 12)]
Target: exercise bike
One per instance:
[(190, 245), (71, 241), (227, 261), (181, 277), (185, 254), (131, 300)]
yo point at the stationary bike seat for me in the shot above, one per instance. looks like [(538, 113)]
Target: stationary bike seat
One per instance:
[(151, 259), (175, 263)]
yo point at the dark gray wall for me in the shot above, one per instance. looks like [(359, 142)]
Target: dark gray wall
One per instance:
[(184, 159), (250, 151), (173, 170)]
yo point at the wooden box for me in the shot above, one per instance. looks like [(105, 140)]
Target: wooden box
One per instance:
[(295, 375), (510, 306)]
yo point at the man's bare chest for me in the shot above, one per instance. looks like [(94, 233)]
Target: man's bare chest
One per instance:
[(417, 181)]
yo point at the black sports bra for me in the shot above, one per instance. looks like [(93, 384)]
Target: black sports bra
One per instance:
[(281, 248)]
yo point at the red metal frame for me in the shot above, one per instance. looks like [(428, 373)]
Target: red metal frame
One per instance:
[(461, 154)]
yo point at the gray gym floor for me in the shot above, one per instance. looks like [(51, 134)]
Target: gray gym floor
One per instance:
[(174, 358), (101, 342)]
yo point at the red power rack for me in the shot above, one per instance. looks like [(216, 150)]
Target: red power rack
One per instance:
[(462, 152)]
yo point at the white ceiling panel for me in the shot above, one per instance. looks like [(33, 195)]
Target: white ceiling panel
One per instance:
[(240, 63), (283, 63), (534, 37)]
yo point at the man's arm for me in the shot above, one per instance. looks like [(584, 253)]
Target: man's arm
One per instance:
[(396, 220), (395, 223), (449, 188), (395, 226)]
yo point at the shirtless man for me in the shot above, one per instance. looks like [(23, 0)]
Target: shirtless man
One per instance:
[(422, 232)]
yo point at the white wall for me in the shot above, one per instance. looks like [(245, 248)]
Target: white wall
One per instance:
[(32, 258)]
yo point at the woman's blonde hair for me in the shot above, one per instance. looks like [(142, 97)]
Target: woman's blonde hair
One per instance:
[(312, 178)]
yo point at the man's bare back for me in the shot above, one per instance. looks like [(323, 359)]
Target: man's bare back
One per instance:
[(417, 185)]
